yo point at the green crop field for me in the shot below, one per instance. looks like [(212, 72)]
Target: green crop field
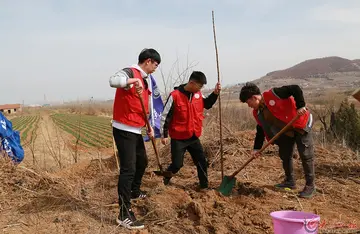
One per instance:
[(90, 130), (27, 126)]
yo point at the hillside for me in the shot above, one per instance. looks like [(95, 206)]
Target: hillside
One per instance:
[(319, 78), (318, 68)]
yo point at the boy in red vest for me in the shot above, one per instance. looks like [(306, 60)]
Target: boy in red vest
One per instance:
[(182, 121), (272, 110), (128, 120)]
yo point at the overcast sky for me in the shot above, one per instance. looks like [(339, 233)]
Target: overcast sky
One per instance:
[(68, 49)]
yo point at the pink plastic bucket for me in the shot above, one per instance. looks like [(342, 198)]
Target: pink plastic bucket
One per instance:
[(295, 222)]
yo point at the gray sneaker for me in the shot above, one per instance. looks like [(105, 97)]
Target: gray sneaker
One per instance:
[(308, 191)]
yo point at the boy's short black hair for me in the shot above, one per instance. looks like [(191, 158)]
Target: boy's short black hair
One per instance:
[(149, 54), (198, 77), (248, 91)]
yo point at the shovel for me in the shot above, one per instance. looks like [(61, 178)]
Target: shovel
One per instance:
[(161, 172), (228, 182)]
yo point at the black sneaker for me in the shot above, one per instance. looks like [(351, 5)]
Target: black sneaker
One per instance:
[(308, 191), (138, 195), (166, 180), (127, 219), (286, 184)]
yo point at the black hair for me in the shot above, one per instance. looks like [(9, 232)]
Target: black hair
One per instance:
[(149, 54), (248, 91), (199, 77)]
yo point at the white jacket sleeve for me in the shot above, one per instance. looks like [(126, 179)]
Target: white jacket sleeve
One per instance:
[(119, 79)]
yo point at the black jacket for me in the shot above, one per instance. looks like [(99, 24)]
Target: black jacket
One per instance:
[(282, 92)]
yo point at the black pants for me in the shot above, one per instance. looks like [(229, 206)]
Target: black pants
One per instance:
[(194, 147), (133, 162), (305, 147)]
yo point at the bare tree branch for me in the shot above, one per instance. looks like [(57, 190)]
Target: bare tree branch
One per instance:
[(177, 74)]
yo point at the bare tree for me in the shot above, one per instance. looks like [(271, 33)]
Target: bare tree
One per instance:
[(177, 74), (324, 110), (323, 113)]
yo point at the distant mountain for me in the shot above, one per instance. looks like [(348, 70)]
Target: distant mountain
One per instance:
[(319, 77), (318, 68)]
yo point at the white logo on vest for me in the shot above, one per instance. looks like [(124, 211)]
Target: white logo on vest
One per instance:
[(196, 95), (156, 92), (272, 103)]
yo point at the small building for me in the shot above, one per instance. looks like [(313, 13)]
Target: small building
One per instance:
[(10, 108)]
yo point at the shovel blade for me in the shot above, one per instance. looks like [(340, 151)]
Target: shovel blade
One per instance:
[(163, 173), (226, 186)]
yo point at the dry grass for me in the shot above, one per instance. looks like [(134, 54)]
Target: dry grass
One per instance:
[(82, 197), (86, 108)]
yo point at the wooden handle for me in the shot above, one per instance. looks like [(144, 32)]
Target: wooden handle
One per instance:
[(148, 128), (267, 144), (218, 76)]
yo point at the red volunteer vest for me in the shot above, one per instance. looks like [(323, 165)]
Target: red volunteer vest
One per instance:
[(187, 117), (283, 109), (127, 105)]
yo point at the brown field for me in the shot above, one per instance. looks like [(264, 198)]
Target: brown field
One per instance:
[(67, 182)]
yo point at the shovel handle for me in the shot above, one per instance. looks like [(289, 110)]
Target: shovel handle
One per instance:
[(242, 167), (267, 144), (148, 128)]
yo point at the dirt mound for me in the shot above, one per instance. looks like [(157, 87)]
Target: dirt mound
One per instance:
[(88, 168), (175, 210), (25, 187), (254, 197)]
